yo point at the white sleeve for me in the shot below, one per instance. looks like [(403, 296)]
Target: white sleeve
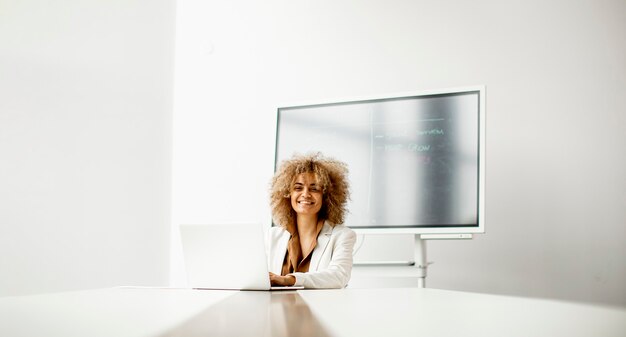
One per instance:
[(268, 245), (275, 240), (338, 272)]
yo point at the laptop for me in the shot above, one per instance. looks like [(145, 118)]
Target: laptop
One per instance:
[(226, 256)]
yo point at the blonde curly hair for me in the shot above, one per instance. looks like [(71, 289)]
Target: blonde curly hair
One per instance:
[(331, 176)]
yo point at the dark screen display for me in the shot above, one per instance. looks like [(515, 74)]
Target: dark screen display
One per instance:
[(413, 161)]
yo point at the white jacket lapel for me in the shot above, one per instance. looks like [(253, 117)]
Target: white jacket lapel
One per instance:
[(322, 243)]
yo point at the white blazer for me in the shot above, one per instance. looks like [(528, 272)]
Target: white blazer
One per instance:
[(331, 262)]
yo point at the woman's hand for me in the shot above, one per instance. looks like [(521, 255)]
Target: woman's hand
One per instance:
[(277, 280)]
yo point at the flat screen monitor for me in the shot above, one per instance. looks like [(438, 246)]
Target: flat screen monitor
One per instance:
[(416, 160)]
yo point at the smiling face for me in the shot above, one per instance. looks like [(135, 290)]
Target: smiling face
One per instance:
[(306, 194)]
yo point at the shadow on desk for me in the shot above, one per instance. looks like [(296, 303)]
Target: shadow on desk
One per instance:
[(254, 313)]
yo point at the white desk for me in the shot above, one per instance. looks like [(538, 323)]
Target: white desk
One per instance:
[(412, 312), (430, 312)]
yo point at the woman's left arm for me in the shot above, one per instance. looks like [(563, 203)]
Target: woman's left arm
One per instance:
[(337, 273)]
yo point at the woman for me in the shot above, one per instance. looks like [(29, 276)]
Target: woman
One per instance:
[(310, 247)]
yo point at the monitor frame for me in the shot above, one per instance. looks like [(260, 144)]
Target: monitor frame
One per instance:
[(481, 90)]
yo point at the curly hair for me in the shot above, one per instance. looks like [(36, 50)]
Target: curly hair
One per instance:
[(331, 176)]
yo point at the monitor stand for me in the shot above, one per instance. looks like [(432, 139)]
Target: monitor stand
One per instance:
[(421, 263)]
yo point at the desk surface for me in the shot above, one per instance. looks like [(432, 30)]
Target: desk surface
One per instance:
[(137, 312)]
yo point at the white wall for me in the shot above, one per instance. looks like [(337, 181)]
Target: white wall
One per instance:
[(555, 76), (85, 143)]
